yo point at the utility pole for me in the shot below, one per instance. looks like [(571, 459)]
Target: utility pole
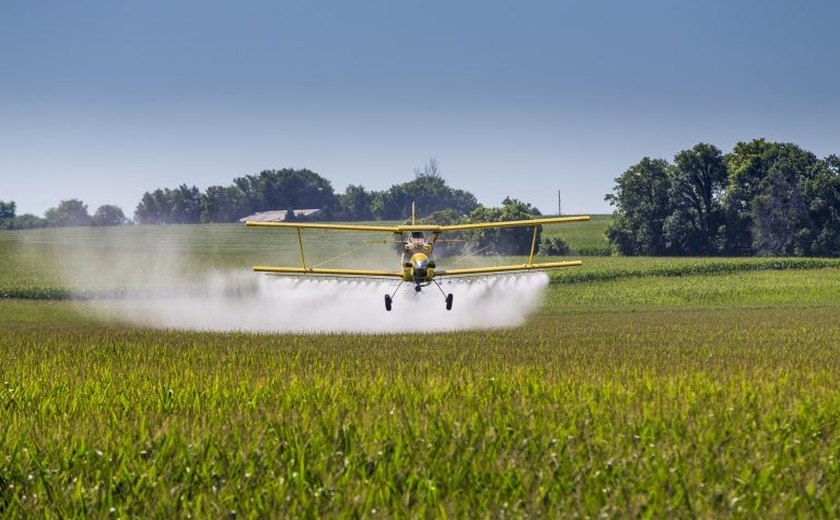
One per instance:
[(559, 203)]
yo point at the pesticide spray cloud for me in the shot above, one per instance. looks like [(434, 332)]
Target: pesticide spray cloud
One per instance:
[(159, 280), (277, 304)]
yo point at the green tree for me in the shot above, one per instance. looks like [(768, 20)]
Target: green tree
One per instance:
[(642, 200), (496, 241), (165, 206), (823, 194), (154, 208), (7, 214), (26, 221), (780, 216), (7, 210), (697, 181), (355, 203), (186, 204), (749, 165), (452, 243), (554, 246), (223, 204), (428, 191), (763, 197), (108, 215), (71, 212), (287, 188)]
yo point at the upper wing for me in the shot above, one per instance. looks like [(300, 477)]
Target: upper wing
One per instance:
[(499, 269), (303, 270), (513, 223), (341, 227), (420, 227), (530, 266), (370, 273)]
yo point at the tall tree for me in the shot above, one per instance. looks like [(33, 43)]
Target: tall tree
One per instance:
[(642, 200), (824, 196), (7, 214), (780, 216), (72, 212), (165, 206), (154, 208), (506, 241), (186, 204), (108, 215), (7, 209), (25, 221), (698, 179), (749, 165), (428, 190), (355, 203), (223, 204), (287, 189)]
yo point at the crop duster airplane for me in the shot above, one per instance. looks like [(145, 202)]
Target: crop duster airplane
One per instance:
[(418, 265)]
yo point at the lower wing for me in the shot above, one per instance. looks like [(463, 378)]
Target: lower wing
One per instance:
[(315, 271), (501, 269)]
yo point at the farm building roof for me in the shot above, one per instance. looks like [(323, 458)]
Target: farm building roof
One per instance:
[(280, 215)]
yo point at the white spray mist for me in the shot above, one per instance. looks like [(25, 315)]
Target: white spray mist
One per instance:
[(165, 284), (280, 304)]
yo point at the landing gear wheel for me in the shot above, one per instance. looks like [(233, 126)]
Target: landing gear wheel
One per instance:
[(417, 288), (388, 301), (449, 301)]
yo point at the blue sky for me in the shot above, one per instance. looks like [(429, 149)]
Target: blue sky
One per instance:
[(103, 100)]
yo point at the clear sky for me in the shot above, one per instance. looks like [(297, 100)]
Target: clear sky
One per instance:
[(103, 100)]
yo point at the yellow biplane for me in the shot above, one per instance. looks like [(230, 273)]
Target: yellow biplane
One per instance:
[(418, 243)]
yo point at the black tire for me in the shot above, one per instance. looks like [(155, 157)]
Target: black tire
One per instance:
[(449, 302), (388, 302)]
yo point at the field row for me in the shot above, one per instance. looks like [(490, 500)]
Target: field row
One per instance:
[(693, 413)]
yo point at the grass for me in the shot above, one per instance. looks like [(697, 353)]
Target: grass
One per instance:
[(643, 387), (584, 238)]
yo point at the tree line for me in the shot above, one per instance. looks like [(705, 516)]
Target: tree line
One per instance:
[(762, 198), (290, 189), (267, 190), (71, 212)]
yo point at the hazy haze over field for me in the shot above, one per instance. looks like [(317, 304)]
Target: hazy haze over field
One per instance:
[(279, 304), (104, 100), (160, 281)]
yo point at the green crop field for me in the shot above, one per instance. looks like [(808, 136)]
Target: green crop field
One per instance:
[(652, 387), (584, 238)]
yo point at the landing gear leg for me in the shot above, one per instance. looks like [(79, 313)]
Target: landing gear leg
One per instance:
[(447, 297), (389, 298)]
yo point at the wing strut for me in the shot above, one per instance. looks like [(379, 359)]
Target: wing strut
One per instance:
[(533, 246), (300, 242)]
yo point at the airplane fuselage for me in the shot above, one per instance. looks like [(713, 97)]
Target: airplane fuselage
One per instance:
[(417, 260)]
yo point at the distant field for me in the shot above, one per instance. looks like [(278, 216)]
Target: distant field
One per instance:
[(653, 387), (585, 238), (46, 256)]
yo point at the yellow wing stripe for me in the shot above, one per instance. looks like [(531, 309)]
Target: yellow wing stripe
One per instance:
[(514, 223), (334, 272), (507, 268), (339, 227), (419, 227)]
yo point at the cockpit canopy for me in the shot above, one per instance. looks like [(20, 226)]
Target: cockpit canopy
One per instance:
[(417, 234), (420, 262)]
